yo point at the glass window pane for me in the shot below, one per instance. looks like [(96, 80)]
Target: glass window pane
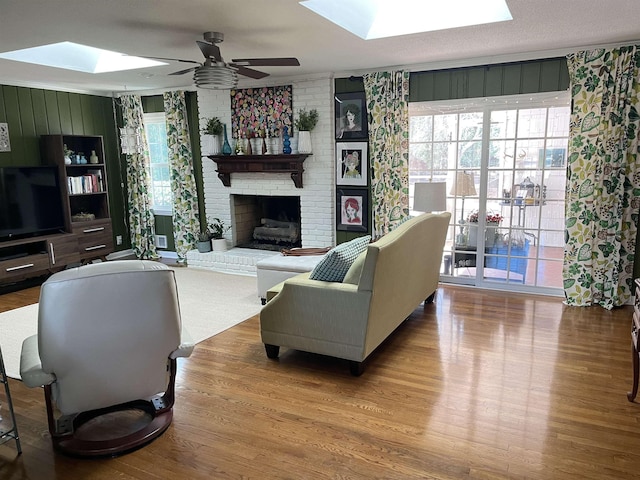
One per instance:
[(471, 126), (445, 127), (532, 123), (420, 128), (558, 122), (160, 190)]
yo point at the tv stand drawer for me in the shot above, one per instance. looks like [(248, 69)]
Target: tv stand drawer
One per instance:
[(24, 266), (95, 239)]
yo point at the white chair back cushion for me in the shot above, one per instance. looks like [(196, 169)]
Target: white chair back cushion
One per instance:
[(106, 331)]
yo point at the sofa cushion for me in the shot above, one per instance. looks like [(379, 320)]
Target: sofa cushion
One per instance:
[(353, 274), (335, 264)]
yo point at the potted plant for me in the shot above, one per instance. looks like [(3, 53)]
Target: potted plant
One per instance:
[(305, 122), (204, 241), (211, 136), (217, 229)]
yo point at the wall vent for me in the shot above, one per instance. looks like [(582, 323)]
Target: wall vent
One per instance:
[(161, 241)]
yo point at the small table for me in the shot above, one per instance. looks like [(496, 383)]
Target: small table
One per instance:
[(464, 256)]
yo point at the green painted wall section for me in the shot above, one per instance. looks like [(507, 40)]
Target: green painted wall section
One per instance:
[(31, 112), (549, 75)]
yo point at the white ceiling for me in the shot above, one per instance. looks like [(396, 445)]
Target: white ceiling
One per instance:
[(283, 28)]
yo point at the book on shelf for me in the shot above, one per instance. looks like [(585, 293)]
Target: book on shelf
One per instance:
[(92, 182)]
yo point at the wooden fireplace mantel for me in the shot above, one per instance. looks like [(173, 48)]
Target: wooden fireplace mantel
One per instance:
[(291, 163)]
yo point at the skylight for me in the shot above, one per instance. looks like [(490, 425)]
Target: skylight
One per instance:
[(81, 58), (370, 19)]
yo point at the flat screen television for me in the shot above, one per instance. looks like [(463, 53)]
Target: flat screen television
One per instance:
[(30, 202)]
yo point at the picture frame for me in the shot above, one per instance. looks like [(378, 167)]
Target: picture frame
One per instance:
[(351, 116), (352, 163), (352, 209)]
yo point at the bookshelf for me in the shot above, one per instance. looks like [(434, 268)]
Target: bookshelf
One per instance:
[(85, 189)]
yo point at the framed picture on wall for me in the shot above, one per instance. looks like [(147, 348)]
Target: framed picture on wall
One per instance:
[(352, 207), (351, 115), (351, 163)]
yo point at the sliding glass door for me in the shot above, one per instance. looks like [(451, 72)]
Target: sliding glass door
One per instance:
[(504, 162)]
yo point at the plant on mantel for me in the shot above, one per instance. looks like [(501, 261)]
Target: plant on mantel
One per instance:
[(306, 121), (213, 126)]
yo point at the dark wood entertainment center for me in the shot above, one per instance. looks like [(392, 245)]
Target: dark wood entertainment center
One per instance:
[(82, 240)]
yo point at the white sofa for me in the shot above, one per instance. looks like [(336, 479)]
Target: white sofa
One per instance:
[(349, 319)]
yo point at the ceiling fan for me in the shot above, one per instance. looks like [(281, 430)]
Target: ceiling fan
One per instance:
[(215, 73)]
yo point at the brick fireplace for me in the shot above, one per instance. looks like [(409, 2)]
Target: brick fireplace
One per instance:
[(316, 198)]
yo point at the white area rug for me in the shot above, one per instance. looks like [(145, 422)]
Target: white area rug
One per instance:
[(210, 303)]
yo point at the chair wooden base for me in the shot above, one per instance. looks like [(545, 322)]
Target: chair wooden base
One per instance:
[(70, 445), (68, 439)]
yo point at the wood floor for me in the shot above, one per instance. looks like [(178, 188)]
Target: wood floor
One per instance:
[(482, 385)]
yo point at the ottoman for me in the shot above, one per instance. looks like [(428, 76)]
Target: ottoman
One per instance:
[(273, 270)]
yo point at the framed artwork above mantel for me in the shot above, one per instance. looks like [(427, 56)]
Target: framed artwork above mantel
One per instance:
[(261, 112)]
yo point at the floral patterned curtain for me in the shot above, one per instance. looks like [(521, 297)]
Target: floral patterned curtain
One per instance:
[(603, 178), (183, 183), (387, 95), (141, 220)]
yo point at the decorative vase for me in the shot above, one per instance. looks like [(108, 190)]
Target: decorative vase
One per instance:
[(219, 244), (67, 160), (264, 146), (226, 148), (204, 247), (256, 145), (286, 143), (210, 145), (93, 158), (304, 142), (215, 145)]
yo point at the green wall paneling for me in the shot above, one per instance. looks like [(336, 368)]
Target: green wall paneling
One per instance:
[(32, 112), (547, 75), (342, 236), (153, 104), (164, 226), (349, 85), (194, 127)]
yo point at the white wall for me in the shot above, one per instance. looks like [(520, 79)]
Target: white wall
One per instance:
[(317, 197)]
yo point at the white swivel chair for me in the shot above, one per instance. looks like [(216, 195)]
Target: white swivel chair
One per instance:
[(108, 338)]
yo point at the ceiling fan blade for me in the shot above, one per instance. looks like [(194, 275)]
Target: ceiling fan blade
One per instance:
[(210, 50), (267, 62), (182, 72), (249, 72), (169, 59)]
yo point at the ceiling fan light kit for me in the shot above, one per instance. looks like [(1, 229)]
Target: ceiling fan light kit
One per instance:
[(215, 77)]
